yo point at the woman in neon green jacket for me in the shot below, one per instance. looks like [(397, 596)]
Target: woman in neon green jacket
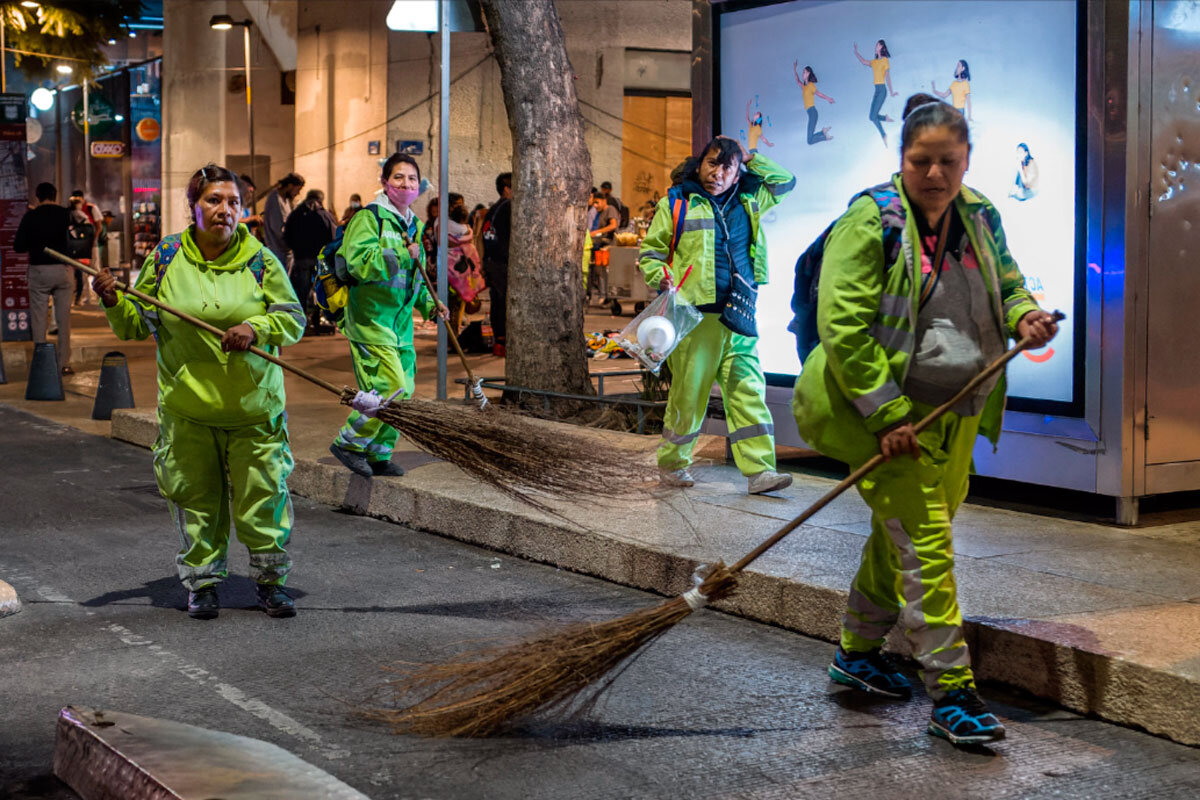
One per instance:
[(897, 340), (382, 251), (222, 428)]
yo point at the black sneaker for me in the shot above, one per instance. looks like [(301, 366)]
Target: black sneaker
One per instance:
[(385, 469), (963, 718), (203, 603), (355, 462), (275, 601), (872, 672)]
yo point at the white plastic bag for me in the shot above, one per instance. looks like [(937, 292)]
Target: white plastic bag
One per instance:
[(663, 323)]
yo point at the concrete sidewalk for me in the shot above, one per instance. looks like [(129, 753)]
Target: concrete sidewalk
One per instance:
[(1100, 619)]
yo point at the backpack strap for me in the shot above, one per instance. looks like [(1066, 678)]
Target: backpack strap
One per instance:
[(678, 204), (166, 251)]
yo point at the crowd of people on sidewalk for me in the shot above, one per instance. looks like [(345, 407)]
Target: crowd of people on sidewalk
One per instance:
[(915, 293)]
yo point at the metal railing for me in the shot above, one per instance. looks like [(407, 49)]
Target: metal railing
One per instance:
[(599, 398)]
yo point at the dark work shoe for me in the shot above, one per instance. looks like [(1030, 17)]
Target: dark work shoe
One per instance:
[(963, 718), (872, 672), (275, 601), (203, 603), (385, 469), (355, 462)]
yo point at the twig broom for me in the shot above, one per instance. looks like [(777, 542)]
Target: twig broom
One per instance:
[(502, 449), (476, 694)]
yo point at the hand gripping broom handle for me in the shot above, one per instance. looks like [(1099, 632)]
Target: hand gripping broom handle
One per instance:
[(199, 323), (858, 474)]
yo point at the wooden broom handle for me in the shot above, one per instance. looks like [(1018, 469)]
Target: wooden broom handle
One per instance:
[(446, 323), (199, 323), (858, 474)]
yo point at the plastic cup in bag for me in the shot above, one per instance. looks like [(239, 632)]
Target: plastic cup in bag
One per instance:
[(663, 324)]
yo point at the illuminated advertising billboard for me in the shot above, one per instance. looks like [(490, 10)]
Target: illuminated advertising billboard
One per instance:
[(821, 84)]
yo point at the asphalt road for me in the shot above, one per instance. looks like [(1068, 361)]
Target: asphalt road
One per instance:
[(719, 708)]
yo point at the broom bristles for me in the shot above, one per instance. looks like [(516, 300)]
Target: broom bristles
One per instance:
[(480, 693), (514, 455)]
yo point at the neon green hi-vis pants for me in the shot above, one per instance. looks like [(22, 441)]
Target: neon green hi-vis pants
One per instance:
[(907, 569), (201, 470), (710, 353), (385, 369)]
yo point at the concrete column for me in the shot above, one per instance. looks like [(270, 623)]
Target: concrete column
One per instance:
[(341, 96), (193, 101)]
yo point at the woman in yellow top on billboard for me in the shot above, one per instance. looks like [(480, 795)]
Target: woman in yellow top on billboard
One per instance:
[(959, 90), (754, 123), (882, 72), (808, 87)]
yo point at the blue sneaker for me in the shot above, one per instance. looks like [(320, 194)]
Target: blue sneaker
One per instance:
[(963, 718), (872, 672)]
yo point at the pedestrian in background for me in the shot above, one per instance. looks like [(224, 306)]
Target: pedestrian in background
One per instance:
[(382, 251), (250, 216), (81, 239), (309, 228), (222, 430), (495, 235), (898, 339), (44, 226), (276, 209), (351, 209), (725, 244)]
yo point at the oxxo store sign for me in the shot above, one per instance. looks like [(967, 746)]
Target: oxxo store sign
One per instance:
[(105, 149)]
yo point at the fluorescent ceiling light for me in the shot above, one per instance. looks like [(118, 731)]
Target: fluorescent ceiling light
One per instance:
[(413, 15)]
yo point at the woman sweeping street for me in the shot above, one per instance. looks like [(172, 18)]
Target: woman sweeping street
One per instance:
[(222, 429), (381, 249), (897, 340)]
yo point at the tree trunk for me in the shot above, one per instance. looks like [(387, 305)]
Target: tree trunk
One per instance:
[(551, 177)]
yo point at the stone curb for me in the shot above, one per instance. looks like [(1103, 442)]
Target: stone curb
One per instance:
[(1020, 653), (9, 602)]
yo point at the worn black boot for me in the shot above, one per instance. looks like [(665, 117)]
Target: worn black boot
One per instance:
[(203, 603), (355, 462), (275, 601), (385, 469)]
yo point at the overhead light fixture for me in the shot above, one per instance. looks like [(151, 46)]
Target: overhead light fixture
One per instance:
[(112, 41), (65, 69), (42, 99), (119, 117), (413, 15), (133, 34), (30, 4), (221, 22)]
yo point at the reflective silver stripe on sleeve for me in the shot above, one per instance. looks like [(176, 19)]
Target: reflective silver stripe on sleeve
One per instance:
[(750, 431), (148, 315), (284, 307), (892, 338), (675, 438), (874, 400), (1016, 301), (894, 305), (782, 188), (652, 254), (693, 224), (390, 258)]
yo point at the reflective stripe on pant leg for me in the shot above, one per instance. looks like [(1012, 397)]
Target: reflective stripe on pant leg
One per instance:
[(191, 476), (744, 393), (693, 365), (261, 458), (378, 367), (874, 603)]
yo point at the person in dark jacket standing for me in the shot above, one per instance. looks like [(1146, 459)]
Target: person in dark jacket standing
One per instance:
[(307, 229), (276, 208), (44, 226), (497, 225)]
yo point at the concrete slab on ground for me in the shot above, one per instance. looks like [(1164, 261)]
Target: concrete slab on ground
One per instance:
[(108, 754)]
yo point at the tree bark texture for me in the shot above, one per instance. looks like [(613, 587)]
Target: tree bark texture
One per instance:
[(552, 174)]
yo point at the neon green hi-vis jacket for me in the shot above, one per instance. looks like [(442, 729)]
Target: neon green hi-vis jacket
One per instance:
[(697, 243), (851, 384), (379, 308), (196, 380)]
